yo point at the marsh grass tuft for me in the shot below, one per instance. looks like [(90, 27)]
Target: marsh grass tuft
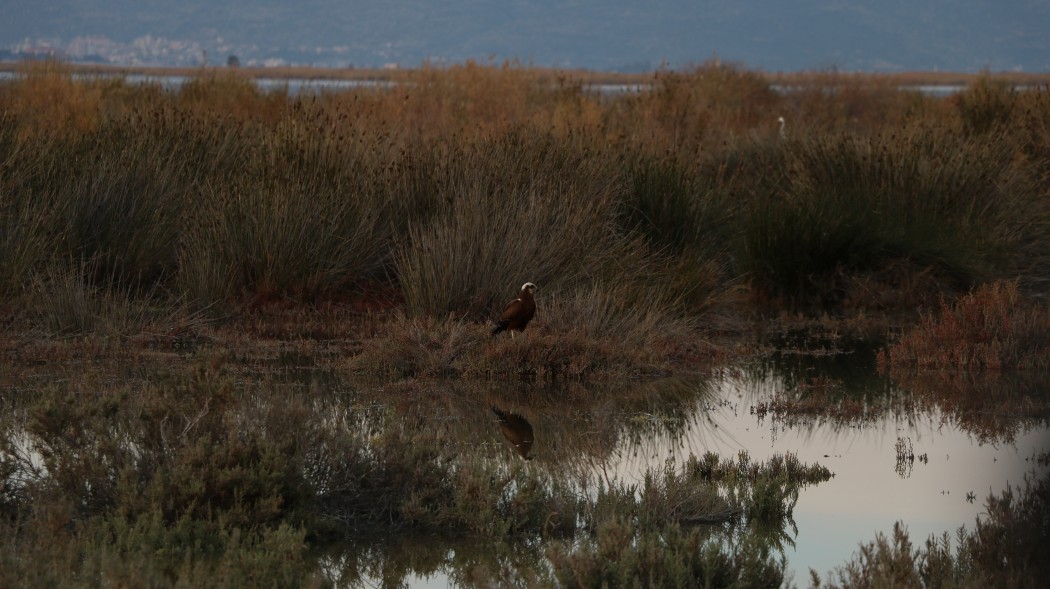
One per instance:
[(280, 239), (986, 104), (852, 205), (592, 334), (421, 347), (67, 302), (428, 348), (514, 201)]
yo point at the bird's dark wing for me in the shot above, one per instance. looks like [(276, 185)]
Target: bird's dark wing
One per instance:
[(512, 309)]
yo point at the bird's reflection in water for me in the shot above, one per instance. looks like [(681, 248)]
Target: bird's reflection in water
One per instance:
[(517, 430)]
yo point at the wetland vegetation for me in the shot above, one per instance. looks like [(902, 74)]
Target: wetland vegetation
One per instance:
[(247, 334)]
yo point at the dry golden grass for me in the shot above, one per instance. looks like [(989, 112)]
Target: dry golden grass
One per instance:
[(454, 185)]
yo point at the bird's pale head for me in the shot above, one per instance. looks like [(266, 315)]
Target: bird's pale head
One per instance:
[(528, 286)]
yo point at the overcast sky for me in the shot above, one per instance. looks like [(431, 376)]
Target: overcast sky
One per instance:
[(888, 35)]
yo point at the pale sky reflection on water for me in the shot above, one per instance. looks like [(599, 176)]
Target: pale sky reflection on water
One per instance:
[(867, 494)]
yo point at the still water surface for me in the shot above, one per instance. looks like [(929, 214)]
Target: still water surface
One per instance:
[(929, 465), (294, 86), (936, 483), (870, 490)]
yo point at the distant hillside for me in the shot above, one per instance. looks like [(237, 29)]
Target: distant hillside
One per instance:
[(866, 35)]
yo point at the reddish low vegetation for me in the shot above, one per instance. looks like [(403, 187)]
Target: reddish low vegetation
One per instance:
[(991, 328)]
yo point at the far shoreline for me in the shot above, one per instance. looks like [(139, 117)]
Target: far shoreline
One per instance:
[(790, 78)]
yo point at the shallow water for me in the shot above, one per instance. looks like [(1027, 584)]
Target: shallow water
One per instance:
[(871, 490), (927, 455), (937, 483), (294, 86), (927, 467)]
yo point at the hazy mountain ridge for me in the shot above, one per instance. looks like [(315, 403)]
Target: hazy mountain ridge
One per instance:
[(964, 35)]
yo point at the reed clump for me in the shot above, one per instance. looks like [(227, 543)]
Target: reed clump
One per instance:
[(510, 202), (689, 112), (986, 105), (591, 334), (48, 102), (848, 206)]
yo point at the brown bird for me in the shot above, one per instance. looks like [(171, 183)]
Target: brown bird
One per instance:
[(517, 314), (517, 430)]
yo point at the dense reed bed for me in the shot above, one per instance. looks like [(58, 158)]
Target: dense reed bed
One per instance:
[(448, 190)]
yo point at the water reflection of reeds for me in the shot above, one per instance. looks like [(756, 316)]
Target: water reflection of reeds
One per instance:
[(991, 406), (575, 426), (628, 441), (836, 386)]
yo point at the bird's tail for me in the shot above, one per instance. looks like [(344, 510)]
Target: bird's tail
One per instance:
[(500, 326)]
